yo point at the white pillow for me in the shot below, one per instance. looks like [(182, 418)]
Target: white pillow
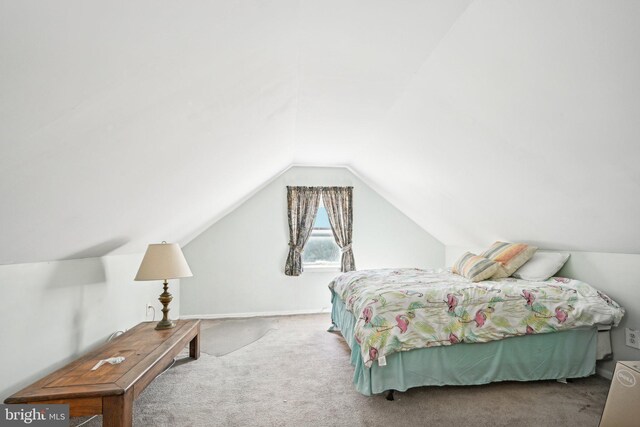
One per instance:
[(541, 266)]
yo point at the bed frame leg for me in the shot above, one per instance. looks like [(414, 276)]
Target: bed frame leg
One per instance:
[(389, 395)]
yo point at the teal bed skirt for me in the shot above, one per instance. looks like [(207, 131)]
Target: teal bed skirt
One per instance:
[(569, 354)]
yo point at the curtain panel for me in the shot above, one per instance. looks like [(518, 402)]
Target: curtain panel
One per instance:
[(302, 207), (339, 204)]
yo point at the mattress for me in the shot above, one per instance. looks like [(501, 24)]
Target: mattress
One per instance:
[(569, 354), (399, 310)]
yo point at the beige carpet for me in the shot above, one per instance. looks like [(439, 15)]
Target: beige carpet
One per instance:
[(299, 375)]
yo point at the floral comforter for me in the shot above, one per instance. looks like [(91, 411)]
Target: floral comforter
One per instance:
[(404, 309)]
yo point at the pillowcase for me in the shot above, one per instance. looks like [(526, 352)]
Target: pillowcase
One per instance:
[(541, 266), (474, 267), (510, 256)]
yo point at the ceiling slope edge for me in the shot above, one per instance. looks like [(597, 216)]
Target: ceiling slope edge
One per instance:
[(192, 236)]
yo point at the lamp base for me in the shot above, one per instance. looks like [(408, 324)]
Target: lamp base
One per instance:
[(165, 324), (165, 299)]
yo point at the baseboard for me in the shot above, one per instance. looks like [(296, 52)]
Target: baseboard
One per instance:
[(605, 373), (254, 314)]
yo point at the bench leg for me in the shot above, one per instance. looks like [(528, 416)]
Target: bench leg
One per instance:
[(194, 346), (117, 411)]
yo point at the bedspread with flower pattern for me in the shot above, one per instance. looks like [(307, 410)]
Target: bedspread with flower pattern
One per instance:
[(404, 309)]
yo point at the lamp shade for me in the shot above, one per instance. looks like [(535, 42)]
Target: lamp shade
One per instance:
[(163, 261)]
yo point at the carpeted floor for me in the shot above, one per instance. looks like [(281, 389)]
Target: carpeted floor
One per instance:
[(299, 375)]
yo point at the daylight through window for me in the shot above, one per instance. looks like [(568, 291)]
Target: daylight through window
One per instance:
[(321, 249)]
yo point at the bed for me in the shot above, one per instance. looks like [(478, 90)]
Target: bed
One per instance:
[(413, 327)]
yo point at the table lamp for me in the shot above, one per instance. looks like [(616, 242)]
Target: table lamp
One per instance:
[(164, 261)]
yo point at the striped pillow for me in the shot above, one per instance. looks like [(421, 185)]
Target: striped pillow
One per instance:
[(474, 267), (509, 256)]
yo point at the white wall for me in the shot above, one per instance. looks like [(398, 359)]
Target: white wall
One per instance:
[(54, 311), (617, 275), (238, 263)]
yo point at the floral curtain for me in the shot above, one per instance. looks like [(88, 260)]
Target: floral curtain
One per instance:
[(302, 204), (338, 202)]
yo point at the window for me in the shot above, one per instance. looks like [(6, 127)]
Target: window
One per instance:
[(321, 249)]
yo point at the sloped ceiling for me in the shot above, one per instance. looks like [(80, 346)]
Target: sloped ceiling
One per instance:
[(124, 123)]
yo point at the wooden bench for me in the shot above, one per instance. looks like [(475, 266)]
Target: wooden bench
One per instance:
[(111, 389)]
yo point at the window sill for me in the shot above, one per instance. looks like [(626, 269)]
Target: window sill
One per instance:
[(321, 268)]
